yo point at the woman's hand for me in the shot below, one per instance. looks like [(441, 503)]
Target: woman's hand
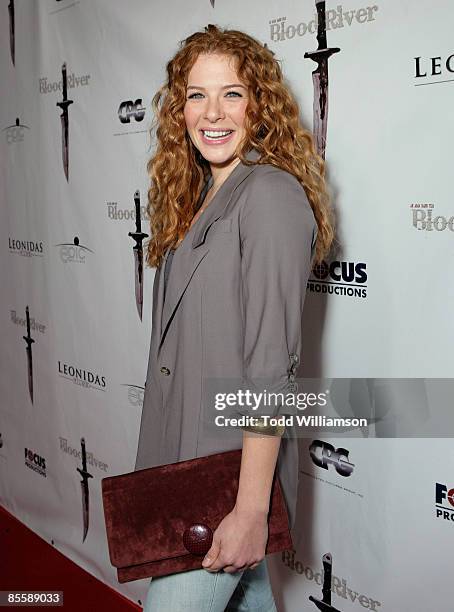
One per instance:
[(239, 541)]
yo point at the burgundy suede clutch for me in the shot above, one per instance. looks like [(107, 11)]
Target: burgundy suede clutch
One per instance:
[(161, 520)]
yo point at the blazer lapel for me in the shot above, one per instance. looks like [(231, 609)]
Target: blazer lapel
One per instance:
[(158, 308), (222, 197), (184, 267), (182, 271)]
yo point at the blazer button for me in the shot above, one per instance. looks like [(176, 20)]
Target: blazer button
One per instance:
[(165, 370)]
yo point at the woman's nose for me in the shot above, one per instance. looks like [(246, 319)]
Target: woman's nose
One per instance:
[(214, 109)]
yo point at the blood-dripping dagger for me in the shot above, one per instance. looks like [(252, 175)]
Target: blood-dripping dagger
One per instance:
[(320, 79), (138, 236), (64, 118)]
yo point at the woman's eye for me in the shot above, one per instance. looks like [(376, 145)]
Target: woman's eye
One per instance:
[(193, 96)]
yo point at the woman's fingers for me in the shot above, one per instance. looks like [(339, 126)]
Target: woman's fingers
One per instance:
[(231, 569), (212, 555)]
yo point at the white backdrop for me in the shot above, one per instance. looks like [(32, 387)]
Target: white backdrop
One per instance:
[(68, 257)]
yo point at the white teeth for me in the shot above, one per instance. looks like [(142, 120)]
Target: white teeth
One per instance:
[(214, 134)]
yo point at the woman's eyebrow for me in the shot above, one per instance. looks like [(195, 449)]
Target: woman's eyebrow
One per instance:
[(224, 87)]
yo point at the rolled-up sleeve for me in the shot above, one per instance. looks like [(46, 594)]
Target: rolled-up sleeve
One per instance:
[(278, 233)]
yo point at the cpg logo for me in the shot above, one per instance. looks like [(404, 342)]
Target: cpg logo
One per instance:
[(324, 454), (130, 109), (444, 502)]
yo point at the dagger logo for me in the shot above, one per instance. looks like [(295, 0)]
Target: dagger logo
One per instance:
[(324, 604), (138, 236), (64, 119), (84, 486), (11, 31), (320, 79), (29, 340)]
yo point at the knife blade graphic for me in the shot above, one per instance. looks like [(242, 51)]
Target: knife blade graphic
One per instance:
[(138, 236), (320, 79), (11, 31), (84, 486), (29, 340), (64, 120), (324, 604)]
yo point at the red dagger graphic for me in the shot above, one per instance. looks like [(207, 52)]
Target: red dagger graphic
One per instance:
[(325, 604), (84, 485), (137, 249), (29, 340), (320, 79), (11, 31), (64, 119)]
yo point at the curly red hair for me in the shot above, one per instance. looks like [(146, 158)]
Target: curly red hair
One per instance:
[(272, 126)]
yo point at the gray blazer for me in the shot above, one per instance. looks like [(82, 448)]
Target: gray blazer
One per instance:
[(232, 310)]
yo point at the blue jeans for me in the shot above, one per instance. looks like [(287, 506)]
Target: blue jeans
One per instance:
[(202, 591)]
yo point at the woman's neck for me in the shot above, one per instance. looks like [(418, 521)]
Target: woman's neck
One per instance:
[(221, 172)]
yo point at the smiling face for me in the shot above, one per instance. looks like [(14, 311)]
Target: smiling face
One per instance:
[(215, 108)]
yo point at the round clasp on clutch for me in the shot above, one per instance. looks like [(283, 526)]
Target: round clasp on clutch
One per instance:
[(197, 539)]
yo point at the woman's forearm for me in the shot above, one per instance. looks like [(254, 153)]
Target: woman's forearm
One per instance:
[(258, 462)]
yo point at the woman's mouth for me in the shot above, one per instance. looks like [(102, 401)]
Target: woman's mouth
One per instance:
[(216, 136)]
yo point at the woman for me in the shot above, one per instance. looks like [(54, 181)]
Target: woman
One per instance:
[(236, 203)]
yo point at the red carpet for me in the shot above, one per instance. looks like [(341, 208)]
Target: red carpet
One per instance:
[(29, 563)]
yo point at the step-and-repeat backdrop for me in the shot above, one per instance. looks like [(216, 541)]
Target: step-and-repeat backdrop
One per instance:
[(77, 81)]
